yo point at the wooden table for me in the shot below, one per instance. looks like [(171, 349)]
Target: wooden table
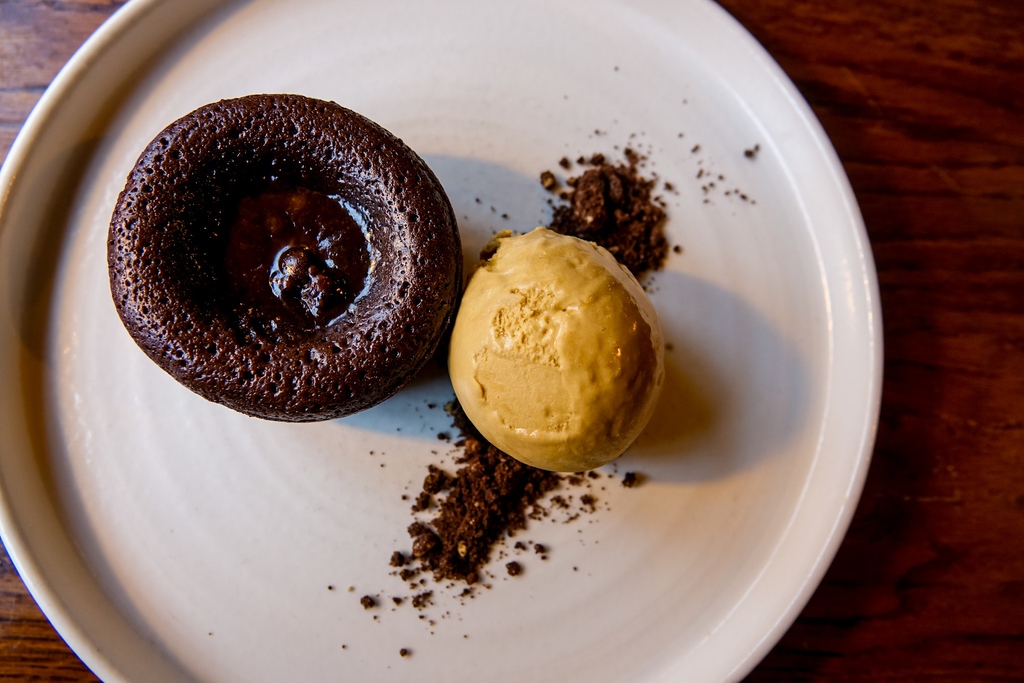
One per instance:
[(924, 101)]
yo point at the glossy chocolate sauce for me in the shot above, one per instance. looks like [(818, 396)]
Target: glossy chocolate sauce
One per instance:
[(297, 256)]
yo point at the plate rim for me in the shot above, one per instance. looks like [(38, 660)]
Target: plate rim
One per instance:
[(875, 352)]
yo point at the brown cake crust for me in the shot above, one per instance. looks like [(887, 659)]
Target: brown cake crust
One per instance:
[(168, 238)]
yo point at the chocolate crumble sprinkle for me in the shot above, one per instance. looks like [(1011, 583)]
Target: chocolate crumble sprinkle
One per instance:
[(422, 600), (613, 205), (491, 494), (423, 501), (437, 480)]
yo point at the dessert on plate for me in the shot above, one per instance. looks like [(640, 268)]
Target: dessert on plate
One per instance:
[(284, 256), (556, 355)]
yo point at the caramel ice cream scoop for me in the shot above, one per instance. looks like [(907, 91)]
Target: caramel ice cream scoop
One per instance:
[(556, 354)]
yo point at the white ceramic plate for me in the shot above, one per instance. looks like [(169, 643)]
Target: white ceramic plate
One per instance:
[(168, 538)]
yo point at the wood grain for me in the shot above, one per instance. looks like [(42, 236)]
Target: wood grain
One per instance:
[(924, 102)]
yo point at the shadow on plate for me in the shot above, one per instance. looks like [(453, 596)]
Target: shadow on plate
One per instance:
[(736, 391)]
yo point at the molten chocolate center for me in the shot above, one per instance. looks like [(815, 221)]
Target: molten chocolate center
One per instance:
[(297, 256)]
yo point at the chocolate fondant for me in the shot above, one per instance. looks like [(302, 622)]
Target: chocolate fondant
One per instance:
[(284, 256)]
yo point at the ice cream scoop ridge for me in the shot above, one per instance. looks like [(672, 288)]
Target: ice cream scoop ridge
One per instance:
[(556, 354)]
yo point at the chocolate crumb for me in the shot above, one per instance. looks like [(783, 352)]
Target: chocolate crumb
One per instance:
[(520, 545), (565, 163), (538, 548), (397, 600), (405, 652), (424, 543), (437, 480), (613, 205), (489, 496), (367, 602), (397, 559), (547, 180), (630, 479), (423, 501), (514, 568), (422, 600)]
